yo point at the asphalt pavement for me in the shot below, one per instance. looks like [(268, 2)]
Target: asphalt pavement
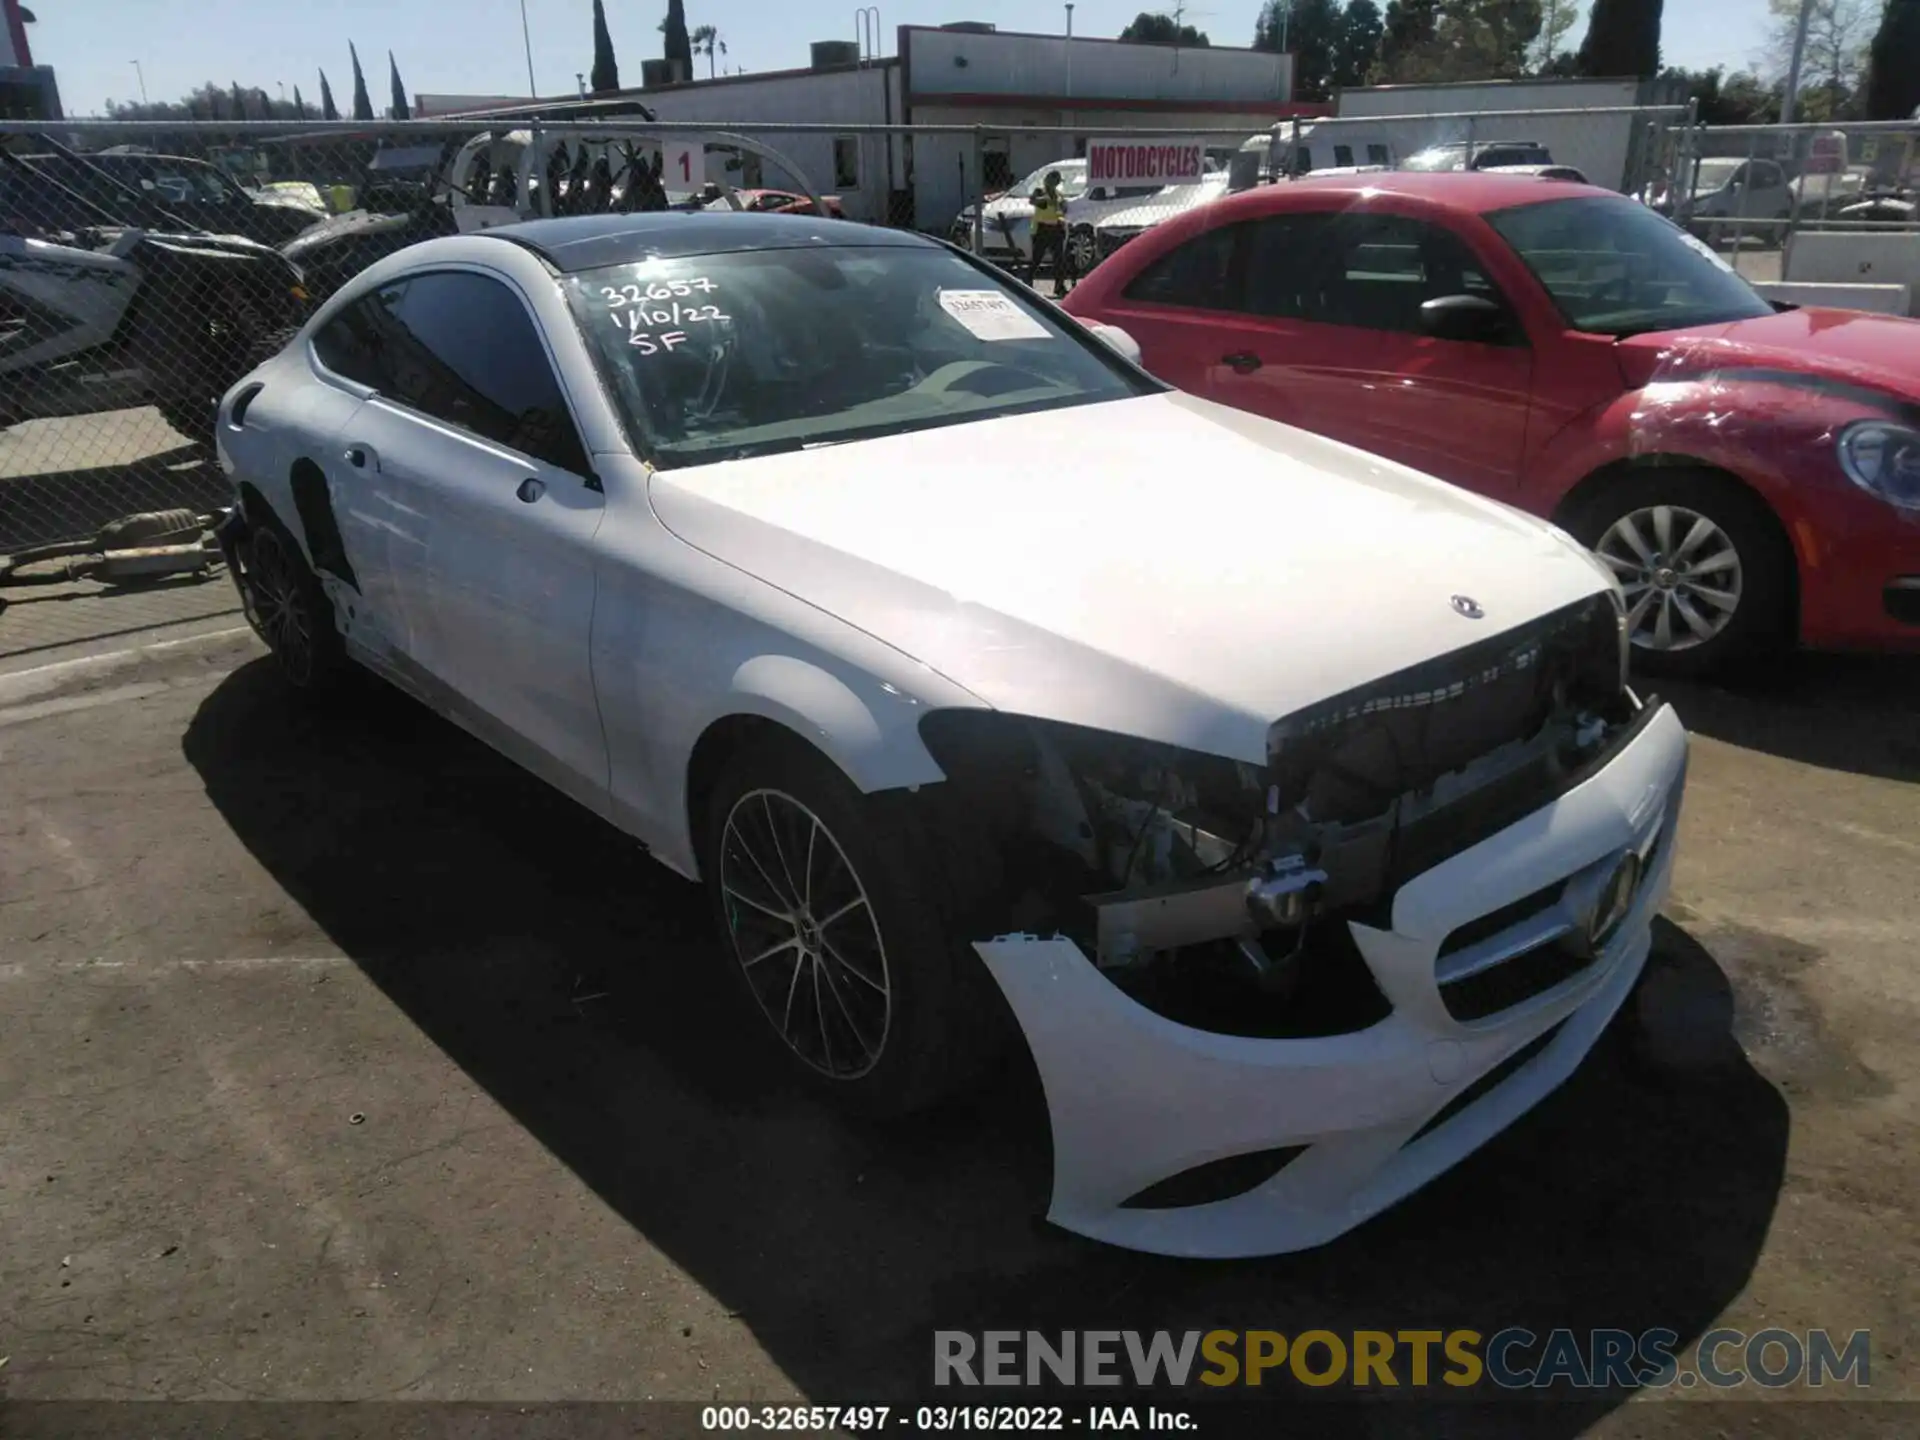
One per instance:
[(340, 1059)]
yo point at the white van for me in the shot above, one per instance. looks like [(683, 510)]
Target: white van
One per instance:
[(1312, 149)]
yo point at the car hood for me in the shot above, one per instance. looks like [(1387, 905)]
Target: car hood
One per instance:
[(353, 222), (1161, 566), (1149, 213), (1881, 352)]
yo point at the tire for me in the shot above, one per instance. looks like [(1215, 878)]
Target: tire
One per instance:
[(1729, 605), (1080, 251), (870, 1000), (288, 609)]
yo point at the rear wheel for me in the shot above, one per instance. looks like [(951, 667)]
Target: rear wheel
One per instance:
[(1707, 573), (288, 609), (1080, 255), (834, 939)]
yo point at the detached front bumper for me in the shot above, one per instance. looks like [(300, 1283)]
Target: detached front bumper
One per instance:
[(1136, 1099)]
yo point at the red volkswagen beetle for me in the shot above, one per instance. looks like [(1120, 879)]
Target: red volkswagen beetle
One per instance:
[(1751, 473)]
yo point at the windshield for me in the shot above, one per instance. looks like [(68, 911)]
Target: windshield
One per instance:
[(1073, 178), (1439, 157), (723, 357), (1616, 268), (1714, 174)]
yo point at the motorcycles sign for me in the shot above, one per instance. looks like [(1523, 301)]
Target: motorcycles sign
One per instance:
[(1155, 162)]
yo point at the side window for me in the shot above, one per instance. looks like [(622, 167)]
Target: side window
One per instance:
[(1377, 155), (1342, 155), (1197, 275), (464, 350), (1302, 161), (1767, 176), (846, 162), (1283, 261), (1385, 267), (354, 343)]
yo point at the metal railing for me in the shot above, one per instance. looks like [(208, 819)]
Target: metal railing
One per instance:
[(115, 340)]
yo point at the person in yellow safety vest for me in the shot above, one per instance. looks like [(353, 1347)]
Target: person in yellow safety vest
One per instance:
[(1050, 233)]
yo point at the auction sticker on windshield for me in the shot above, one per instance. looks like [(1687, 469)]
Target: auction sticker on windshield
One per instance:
[(989, 315)]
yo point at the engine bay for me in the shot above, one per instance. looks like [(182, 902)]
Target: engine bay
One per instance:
[(1217, 892)]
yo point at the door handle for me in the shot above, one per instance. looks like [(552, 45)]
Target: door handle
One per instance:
[(530, 490), (1241, 362)]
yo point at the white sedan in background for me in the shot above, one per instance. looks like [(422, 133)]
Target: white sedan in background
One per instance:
[(1290, 807)]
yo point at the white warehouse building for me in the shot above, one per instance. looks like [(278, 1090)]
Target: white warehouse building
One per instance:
[(1006, 84)]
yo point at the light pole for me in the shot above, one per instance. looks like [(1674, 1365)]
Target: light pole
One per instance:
[(143, 79), (1069, 50), (526, 38), (580, 80), (1793, 66)]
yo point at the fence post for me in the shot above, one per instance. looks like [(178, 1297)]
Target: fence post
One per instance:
[(533, 173), (1291, 166), (979, 191), (1470, 133), (1740, 224), (1685, 164)]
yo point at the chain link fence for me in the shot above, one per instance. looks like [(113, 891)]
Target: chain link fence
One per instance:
[(145, 267), (1751, 190)]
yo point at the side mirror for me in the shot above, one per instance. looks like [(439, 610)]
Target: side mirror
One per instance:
[(1118, 339), (1472, 318)]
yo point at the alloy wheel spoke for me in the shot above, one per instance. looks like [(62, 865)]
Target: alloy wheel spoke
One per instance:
[(1717, 563), (1703, 530), (856, 903), (739, 894), (1620, 564), (746, 848), (1638, 614), (853, 1026), (1627, 530), (820, 1015), (793, 988), (1663, 622), (792, 942), (1663, 530), (779, 851), (878, 986), (1702, 626), (1722, 599)]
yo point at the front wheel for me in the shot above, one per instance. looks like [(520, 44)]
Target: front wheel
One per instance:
[(833, 936), (1706, 570)]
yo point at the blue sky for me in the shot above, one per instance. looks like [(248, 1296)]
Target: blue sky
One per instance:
[(473, 47)]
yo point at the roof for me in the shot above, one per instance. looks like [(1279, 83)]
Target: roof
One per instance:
[(587, 242), (1476, 190)]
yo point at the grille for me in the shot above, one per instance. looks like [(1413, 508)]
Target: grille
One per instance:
[(1528, 947)]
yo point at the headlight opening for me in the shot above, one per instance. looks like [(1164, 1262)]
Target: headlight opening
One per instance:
[(1883, 457)]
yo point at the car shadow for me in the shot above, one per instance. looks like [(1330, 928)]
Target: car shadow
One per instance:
[(577, 983), (1840, 712)]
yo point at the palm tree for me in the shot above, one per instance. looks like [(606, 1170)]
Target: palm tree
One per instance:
[(706, 41)]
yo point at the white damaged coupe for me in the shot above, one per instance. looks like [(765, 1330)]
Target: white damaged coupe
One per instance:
[(1290, 807)]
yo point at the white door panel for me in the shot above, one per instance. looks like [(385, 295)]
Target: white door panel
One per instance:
[(494, 591)]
